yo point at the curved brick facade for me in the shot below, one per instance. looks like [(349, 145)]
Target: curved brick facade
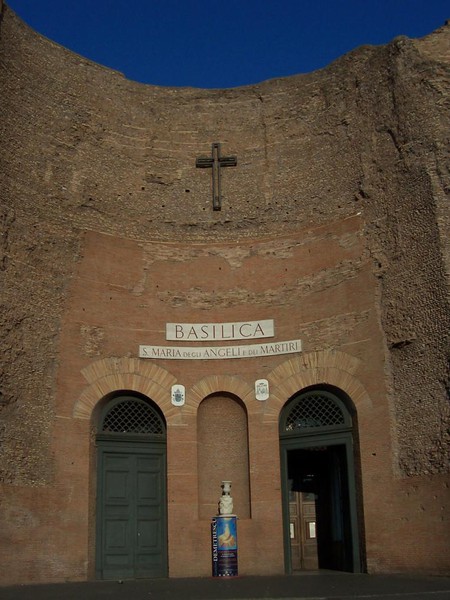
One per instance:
[(333, 223)]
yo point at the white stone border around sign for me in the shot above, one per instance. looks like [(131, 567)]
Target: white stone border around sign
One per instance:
[(219, 352)]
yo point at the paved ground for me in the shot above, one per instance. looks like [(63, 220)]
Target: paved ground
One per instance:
[(312, 586)]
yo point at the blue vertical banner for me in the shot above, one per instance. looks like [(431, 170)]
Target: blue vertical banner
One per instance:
[(224, 546), (214, 549)]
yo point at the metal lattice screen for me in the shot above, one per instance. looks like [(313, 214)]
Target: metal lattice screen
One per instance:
[(314, 410), (133, 416)]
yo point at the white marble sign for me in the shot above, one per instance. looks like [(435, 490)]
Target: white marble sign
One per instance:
[(219, 352), (214, 332)]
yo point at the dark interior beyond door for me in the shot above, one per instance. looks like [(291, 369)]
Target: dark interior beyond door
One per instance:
[(319, 483), (320, 476)]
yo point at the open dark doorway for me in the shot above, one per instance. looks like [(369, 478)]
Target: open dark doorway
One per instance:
[(319, 484), (319, 508)]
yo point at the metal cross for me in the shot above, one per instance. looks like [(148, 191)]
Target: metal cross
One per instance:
[(215, 162)]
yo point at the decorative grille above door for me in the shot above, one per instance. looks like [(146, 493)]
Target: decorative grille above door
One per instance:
[(132, 416)]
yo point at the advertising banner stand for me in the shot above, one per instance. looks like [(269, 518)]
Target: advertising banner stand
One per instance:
[(224, 546)]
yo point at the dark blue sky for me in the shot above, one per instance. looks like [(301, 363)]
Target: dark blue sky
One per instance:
[(224, 43)]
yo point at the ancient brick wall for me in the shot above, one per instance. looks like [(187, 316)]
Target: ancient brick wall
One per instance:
[(83, 148), (362, 144), (403, 187)]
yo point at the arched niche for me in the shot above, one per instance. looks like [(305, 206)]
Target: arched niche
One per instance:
[(223, 453)]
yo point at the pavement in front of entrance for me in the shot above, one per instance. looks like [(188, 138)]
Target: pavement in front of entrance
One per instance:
[(311, 586)]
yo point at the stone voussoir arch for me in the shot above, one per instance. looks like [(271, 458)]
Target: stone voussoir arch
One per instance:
[(110, 375), (327, 367), (214, 384)]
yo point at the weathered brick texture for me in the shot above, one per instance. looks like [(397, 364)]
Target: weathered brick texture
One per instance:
[(334, 223)]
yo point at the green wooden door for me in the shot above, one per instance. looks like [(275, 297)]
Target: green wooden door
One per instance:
[(131, 511)]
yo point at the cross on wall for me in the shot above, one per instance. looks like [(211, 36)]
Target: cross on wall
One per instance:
[(215, 162)]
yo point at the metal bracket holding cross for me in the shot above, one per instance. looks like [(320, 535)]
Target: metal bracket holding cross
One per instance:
[(216, 162)]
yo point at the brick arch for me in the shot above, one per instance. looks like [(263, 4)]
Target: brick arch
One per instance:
[(329, 367), (220, 383), (112, 374)]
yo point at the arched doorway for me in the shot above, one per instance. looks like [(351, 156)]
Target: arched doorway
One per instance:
[(319, 484), (131, 521)]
